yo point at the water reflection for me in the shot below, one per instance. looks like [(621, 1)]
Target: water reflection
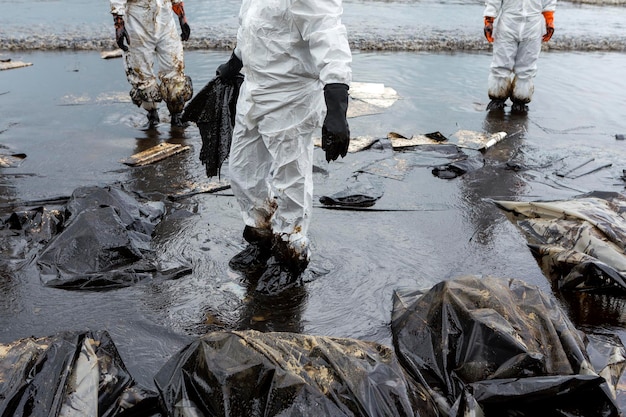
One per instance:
[(498, 178), (278, 313), (589, 310)]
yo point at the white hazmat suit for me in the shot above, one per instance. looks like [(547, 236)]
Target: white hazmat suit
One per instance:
[(153, 34), (290, 49), (517, 34)]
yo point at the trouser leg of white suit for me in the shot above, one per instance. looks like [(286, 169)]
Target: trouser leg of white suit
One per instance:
[(146, 46), (174, 85), (139, 60), (271, 176), (249, 163), (499, 83), (525, 70)]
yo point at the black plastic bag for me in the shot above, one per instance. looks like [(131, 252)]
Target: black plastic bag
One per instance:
[(250, 374), (213, 109), (106, 242), (500, 343), (78, 374), (579, 243)]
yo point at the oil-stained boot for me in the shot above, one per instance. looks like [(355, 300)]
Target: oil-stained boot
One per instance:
[(153, 119), (519, 107), (496, 104), (177, 121), (283, 271), (254, 257)]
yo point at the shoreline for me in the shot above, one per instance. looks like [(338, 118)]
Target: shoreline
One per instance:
[(439, 43)]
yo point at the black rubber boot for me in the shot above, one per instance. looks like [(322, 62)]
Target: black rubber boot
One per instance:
[(254, 257), (177, 121), (284, 269), (153, 118), (519, 107), (496, 104)]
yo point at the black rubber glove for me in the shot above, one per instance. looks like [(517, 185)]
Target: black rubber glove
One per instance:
[(179, 9), (120, 32), (335, 130), (230, 69)]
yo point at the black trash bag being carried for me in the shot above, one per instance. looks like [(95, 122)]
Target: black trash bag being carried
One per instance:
[(77, 374), (497, 345), (253, 374), (213, 109)]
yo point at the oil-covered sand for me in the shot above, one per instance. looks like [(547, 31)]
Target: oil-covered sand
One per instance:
[(70, 114)]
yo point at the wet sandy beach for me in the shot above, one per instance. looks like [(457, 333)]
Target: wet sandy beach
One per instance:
[(70, 115)]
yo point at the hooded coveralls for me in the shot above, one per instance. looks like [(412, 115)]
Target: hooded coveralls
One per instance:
[(290, 50), (517, 34), (153, 32)]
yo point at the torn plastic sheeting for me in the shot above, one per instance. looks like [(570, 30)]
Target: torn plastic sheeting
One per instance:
[(576, 271), (375, 94), (358, 193), (71, 374), (428, 155), (459, 167), (481, 330), (106, 243), (248, 373), (7, 65), (608, 357), (95, 250), (479, 141), (39, 225), (548, 396), (399, 141), (135, 215), (357, 143), (581, 243), (213, 109), (11, 161)]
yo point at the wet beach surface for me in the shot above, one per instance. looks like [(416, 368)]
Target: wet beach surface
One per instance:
[(71, 115)]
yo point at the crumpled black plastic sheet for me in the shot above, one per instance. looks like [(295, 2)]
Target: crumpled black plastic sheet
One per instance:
[(359, 192), (70, 374), (213, 109), (248, 373), (498, 347), (579, 243), (100, 239)]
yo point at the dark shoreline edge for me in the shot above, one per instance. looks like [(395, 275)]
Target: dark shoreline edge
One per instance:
[(436, 43)]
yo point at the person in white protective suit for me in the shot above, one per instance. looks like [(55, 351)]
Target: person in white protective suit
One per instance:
[(297, 70), (519, 28), (146, 31)]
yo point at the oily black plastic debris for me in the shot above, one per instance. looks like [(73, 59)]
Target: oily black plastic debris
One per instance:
[(100, 239), (69, 374), (360, 191), (459, 167), (251, 374), (213, 109), (500, 347), (580, 244)]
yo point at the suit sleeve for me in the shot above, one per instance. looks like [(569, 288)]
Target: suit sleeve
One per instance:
[(118, 7), (319, 22), (492, 8), (548, 5)]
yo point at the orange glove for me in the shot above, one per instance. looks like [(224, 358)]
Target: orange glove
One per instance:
[(489, 28), (549, 17), (179, 9)]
